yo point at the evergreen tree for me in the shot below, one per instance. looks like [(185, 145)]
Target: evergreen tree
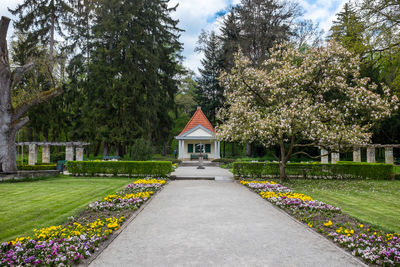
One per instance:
[(262, 23), (348, 29), (42, 19), (210, 94), (133, 64)]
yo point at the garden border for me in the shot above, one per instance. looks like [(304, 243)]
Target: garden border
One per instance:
[(237, 181), (115, 234)]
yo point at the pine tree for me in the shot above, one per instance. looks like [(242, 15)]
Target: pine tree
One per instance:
[(262, 23), (349, 30), (42, 19), (210, 94)]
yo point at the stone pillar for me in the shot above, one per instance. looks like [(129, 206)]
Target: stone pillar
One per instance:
[(371, 154), (357, 154), (335, 157), (32, 158), (46, 154), (69, 153), (79, 154), (389, 155), (324, 159)]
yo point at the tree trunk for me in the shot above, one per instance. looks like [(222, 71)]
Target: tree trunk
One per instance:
[(97, 149), (8, 152), (12, 119), (248, 149), (52, 25), (283, 176), (106, 149), (164, 149)]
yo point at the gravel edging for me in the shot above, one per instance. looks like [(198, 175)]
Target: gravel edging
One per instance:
[(344, 251), (115, 234)]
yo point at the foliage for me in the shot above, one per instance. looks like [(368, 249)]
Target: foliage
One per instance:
[(131, 168), (350, 170), (37, 167), (142, 150), (210, 94), (315, 98), (224, 160)]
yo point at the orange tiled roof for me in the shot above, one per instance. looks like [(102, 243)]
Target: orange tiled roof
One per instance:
[(198, 118)]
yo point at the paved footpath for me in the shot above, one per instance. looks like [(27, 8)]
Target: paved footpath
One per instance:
[(209, 223)]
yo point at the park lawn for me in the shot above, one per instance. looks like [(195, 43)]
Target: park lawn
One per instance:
[(35, 204), (374, 202)]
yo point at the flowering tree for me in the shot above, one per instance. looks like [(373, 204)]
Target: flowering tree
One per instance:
[(295, 99)]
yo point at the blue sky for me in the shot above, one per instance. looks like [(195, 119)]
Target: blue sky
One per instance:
[(195, 15)]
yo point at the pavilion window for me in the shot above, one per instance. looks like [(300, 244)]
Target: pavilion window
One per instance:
[(208, 148), (190, 148)]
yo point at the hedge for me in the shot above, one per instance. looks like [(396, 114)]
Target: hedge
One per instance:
[(130, 168), (340, 170), (39, 167)]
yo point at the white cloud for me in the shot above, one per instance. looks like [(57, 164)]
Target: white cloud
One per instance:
[(195, 15)]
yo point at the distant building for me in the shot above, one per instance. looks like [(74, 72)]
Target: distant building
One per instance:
[(198, 130)]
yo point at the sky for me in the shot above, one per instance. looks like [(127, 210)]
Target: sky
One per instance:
[(195, 15)]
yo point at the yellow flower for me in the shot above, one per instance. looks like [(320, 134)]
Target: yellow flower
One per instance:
[(310, 225), (329, 223), (361, 225)]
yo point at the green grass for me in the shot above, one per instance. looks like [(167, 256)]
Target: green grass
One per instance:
[(370, 201), (25, 206)]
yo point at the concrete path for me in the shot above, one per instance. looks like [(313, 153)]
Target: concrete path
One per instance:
[(210, 172), (209, 223)]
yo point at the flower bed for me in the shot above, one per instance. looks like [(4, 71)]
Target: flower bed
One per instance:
[(70, 243), (371, 245)]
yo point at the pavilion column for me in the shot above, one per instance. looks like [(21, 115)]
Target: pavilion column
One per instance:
[(69, 153), (46, 154), (79, 153), (371, 154), (357, 154), (32, 158), (389, 155), (183, 149), (215, 149), (218, 149), (335, 157), (324, 156), (179, 149)]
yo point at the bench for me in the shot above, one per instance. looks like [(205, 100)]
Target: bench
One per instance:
[(196, 156), (111, 157)]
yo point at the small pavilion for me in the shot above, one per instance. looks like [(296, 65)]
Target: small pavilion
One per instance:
[(198, 130)]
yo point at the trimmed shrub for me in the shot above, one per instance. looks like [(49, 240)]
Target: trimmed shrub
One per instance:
[(224, 160), (348, 170), (40, 167), (130, 168)]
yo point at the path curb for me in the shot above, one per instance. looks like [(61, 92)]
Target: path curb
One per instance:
[(104, 245), (342, 250)]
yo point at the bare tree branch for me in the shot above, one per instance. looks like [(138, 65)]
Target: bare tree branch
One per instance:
[(19, 72), (19, 124), (43, 96)]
